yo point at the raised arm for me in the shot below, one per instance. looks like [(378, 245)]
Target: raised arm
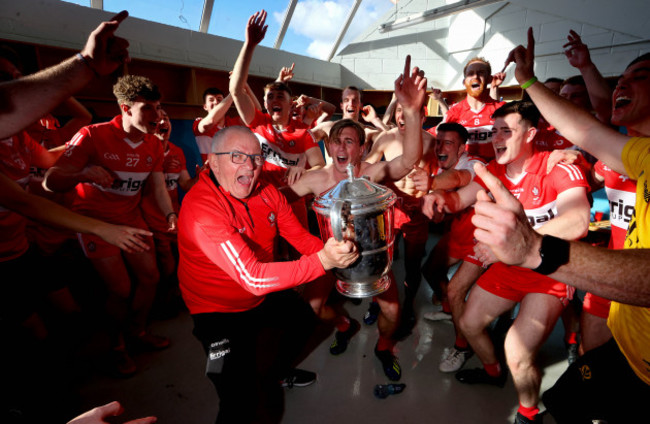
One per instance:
[(253, 98), (410, 89), (600, 95), (436, 94), (255, 31), (369, 115), (571, 121), (80, 118), (377, 151), (495, 82), (327, 110), (27, 99), (315, 109), (215, 115), (322, 130), (390, 110), (286, 74)]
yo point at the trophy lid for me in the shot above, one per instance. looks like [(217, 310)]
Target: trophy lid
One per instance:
[(360, 193)]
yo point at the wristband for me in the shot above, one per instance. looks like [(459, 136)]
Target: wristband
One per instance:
[(170, 214), (554, 252), (528, 83), (85, 62)]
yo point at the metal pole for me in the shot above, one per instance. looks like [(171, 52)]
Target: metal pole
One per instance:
[(206, 16), (344, 30), (285, 23)]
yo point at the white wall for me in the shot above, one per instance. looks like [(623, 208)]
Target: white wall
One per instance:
[(616, 32)]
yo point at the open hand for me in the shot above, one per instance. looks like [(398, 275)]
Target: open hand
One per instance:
[(256, 28), (576, 51)]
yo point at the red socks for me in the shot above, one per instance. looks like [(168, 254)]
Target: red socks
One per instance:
[(385, 344), (461, 343), (445, 306), (529, 412), (342, 323), (571, 337), (493, 370)]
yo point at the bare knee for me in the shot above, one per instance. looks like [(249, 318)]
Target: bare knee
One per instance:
[(518, 357), (470, 327)]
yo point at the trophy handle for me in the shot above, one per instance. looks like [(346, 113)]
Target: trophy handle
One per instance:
[(338, 215)]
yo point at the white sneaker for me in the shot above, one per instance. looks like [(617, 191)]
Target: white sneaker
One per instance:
[(453, 359), (437, 316)]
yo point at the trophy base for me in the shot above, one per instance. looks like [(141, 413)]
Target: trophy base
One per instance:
[(360, 290)]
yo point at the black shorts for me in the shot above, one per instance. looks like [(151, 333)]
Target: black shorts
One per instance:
[(600, 385)]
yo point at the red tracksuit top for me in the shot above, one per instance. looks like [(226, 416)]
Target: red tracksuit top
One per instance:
[(227, 245)]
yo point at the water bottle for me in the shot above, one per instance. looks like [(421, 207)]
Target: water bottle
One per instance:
[(383, 390)]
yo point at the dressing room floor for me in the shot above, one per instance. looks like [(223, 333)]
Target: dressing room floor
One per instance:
[(171, 384)]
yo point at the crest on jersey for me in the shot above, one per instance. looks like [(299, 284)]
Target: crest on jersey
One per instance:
[(271, 217), (535, 191), (149, 161), (91, 247), (242, 230)]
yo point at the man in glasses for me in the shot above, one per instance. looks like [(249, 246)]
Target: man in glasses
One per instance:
[(228, 230), (288, 150)]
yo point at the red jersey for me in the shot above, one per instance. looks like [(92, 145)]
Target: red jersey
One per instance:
[(281, 149), (621, 193), (48, 239), (106, 145), (204, 140), (461, 230), (479, 125), (16, 156), (173, 164), (227, 247), (536, 190), (299, 124), (549, 139)]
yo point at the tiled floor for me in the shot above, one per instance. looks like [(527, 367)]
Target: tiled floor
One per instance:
[(171, 384)]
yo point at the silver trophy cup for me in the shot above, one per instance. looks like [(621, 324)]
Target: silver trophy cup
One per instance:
[(361, 211)]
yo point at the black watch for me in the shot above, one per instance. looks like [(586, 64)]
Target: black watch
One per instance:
[(554, 252)]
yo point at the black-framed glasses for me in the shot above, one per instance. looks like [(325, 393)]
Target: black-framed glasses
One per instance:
[(240, 158)]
